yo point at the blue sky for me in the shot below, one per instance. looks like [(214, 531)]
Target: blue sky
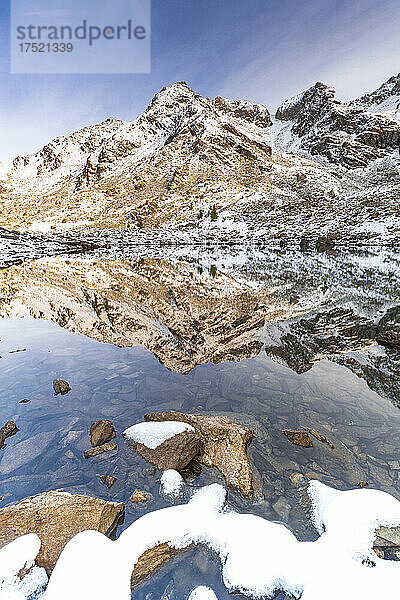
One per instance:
[(262, 50)]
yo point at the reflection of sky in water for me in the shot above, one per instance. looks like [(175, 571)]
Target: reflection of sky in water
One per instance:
[(124, 384)]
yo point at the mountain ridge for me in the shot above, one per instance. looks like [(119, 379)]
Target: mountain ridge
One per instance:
[(385, 99), (215, 165)]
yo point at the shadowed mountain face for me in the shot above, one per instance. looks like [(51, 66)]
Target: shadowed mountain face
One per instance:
[(370, 349), (348, 135), (385, 100), (226, 307)]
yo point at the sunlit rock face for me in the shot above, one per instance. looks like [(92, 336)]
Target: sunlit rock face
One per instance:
[(181, 143), (319, 168), (183, 317), (41, 515)]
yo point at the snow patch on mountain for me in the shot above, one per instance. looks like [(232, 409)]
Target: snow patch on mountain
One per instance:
[(5, 168)]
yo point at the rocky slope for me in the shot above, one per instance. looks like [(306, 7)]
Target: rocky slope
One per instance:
[(350, 136), (317, 169)]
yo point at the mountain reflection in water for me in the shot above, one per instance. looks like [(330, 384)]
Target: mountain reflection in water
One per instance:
[(190, 310), (297, 340)]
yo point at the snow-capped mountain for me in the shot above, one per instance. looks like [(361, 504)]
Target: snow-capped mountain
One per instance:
[(385, 100), (94, 153), (317, 169), (350, 136)]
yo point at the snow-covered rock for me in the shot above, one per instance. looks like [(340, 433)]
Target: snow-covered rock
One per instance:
[(347, 135), (16, 558), (385, 100), (171, 484), (153, 435), (202, 592), (167, 445), (259, 558)]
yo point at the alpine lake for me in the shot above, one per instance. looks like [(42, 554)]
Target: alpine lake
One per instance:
[(273, 340)]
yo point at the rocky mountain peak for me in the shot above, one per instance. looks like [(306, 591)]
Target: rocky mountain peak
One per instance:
[(256, 114), (349, 135), (190, 161), (177, 92), (309, 103), (384, 100), (181, 138)]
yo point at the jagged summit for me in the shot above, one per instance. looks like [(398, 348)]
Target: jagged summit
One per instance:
[(179, 91), (385, 99), (347, 135), (317, 96), (177, 87), (181, 141), (88, 153), (200, 164)]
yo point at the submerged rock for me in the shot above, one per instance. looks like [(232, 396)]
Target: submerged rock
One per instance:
[(56, 517), (153, 559), (387, 543), (139, 496), (100, 450), (282, 508), (321, 438), (299, 480), (298, 437), (223, 445), (9, 429), (108, 480), (24, 452), (61, 387), (101, 432)]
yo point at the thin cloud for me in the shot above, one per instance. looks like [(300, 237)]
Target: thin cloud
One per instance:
[(261, 50)]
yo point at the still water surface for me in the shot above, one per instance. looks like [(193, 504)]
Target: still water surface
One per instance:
[(123, 384)]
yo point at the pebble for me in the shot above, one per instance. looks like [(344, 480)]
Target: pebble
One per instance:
[(139, 496), (108, 480)]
